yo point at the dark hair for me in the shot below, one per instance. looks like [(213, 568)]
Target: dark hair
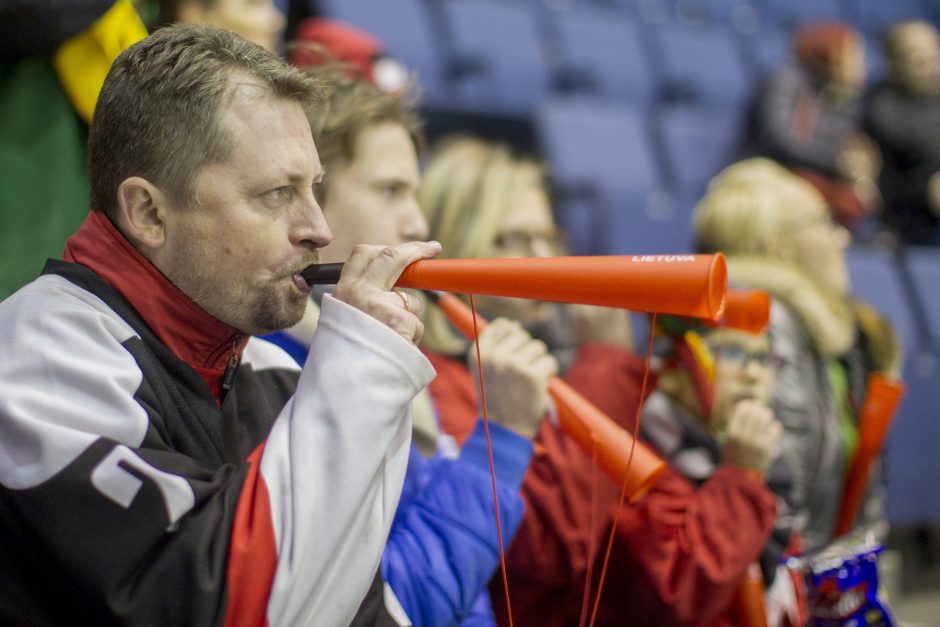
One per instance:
[(158, 113)]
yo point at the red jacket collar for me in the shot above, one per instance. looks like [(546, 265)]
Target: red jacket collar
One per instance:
[(191, 333)]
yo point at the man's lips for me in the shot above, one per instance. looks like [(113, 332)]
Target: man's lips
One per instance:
[(297, 277), (301, 283)]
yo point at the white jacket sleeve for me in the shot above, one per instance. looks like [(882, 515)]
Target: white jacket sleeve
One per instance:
[(334, 464)]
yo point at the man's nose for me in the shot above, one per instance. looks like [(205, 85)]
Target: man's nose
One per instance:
[(414, 224), (309, 227)]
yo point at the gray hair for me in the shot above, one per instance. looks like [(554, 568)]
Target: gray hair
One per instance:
[(158, 114)]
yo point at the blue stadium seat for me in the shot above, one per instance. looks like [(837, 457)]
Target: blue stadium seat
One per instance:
[(874, 16), (912, 465), (744, 16), (592, 141), (601, 158), (495, 54), (602, 53), (702, 65), (648, 11), (876, 279), (407, 31), (875, 64), (790, 13), (767, 51), (697, 143), (923, 264)]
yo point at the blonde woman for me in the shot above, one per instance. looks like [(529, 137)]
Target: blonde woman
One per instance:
[(777, 232), (482, 201)]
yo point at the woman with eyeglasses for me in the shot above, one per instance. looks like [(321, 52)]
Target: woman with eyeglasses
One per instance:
[(671, 561), (776, 232)]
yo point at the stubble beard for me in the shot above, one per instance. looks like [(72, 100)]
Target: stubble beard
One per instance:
[(269, 306)]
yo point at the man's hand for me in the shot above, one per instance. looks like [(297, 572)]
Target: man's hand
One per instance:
[(750, 437), (859, 158), (516, 369), (367, 280)]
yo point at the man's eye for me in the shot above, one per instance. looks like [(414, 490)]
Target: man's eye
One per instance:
[(278, 194), (390, 191)]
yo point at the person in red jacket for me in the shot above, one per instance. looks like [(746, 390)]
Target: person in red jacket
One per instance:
[(709, 419), (672, 561)]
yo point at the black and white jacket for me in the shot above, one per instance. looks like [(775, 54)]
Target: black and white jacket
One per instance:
[(130, 493)]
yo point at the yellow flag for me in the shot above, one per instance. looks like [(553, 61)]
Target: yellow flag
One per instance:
[(83, 61)]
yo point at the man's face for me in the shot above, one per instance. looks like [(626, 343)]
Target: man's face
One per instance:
[(744, 370), (849, 69), (371, 200), (918, 60), (255, 223)]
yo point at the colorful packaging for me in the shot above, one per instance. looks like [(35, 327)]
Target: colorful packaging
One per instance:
[(842, 582)]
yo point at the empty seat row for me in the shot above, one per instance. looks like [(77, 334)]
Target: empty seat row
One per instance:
[(751, 16), (628, 179), (503, 56)]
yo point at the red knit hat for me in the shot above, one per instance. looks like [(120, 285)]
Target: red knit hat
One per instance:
[(819, 45), (320, 40)]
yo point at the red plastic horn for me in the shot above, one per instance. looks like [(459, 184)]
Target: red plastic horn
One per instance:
[(682, 285), (587, 425), (881, 403), (746, 310), (748, 601), (685, 285)]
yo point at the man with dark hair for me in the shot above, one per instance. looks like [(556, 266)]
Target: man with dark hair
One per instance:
[(157, 465)]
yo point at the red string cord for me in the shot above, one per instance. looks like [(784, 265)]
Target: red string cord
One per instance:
[(623, 489), (489, 451), (591, 535)]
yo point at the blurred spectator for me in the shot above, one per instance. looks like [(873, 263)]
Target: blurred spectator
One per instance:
[(671, 562), (806, 116), (38, 27), (319, 40), (902, 113), (54, 56), (710, 411), (778, 237), (258, 21)]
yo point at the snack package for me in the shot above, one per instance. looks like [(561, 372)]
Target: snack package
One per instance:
[(842, 583)]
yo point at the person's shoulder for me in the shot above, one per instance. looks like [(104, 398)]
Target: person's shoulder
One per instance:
[(54, 307)]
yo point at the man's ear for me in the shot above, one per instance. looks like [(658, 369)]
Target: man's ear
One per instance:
[(141, 212)]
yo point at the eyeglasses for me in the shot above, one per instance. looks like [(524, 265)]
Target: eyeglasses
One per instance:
[(738, 357)]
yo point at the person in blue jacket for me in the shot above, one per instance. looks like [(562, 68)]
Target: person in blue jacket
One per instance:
[(443, 547)]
